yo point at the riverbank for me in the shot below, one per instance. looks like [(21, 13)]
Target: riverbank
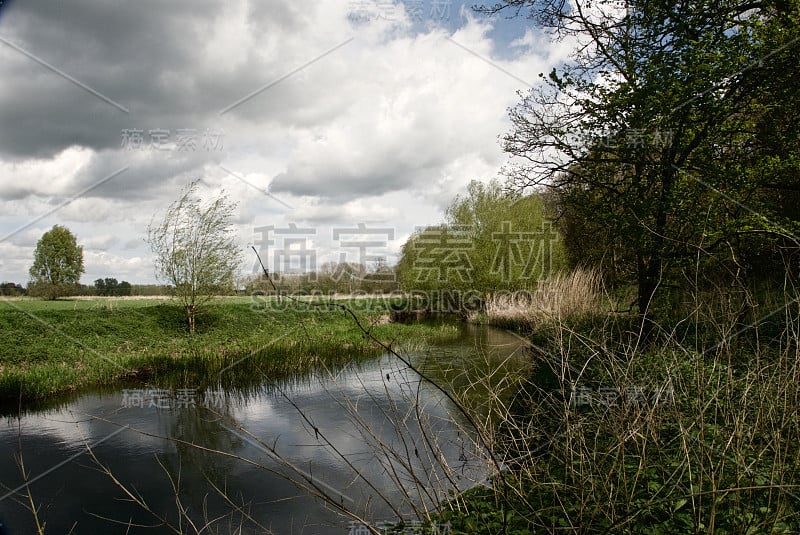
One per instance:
[(51, 347), (691, 430)]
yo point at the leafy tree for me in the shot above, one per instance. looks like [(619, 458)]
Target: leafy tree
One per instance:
[(195, 250), (110, 286), (767, 155), (641, 133), (57, 264), (105, 286), (492, 240), (100, 286), (124, 288), (514, 244), (11, 289)]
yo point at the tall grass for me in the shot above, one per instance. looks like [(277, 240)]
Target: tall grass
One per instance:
[(699, 433), (576, 295)]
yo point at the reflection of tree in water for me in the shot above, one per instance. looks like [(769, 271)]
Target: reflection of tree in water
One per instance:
[(194, 463)]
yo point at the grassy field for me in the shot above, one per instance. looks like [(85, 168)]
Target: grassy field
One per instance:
[(47, 347)]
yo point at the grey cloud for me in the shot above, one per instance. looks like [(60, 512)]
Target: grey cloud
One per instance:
[(148, 57), (376, 173), (336, 185), (131, 245), (382, 122), (149, 174)]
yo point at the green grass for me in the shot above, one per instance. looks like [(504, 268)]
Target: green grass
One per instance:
[(49, 347)]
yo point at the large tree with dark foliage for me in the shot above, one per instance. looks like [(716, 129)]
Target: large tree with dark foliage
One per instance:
[(670, 135)]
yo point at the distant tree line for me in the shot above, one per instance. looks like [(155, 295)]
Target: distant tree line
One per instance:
[(330, 278), (11, 289), (110, 286), (124, 288)]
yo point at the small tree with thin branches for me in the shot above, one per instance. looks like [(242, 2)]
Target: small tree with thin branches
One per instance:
[(196, 250)]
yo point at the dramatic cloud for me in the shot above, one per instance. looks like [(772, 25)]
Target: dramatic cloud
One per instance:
[(317, 113)]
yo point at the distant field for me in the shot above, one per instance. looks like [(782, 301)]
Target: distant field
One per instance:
[(90, 302), (137, 301), (80, 303)]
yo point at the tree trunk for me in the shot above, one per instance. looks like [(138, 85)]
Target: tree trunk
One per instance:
[(647, 284), (649, 270), (190, 317)]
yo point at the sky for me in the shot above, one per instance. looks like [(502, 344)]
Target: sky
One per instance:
[(337, 127)]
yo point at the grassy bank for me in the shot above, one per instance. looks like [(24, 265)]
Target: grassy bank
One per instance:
[(694, 432), (58, 346)]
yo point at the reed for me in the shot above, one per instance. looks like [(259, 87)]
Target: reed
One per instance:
[(563, 296)]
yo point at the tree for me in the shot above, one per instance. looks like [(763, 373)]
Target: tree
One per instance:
[(124, 288), (100, 286), (513, 243), (640, 134), (105, 286), (195, 250), (57, 264), (11, 289), (492, 240), (110, 286)]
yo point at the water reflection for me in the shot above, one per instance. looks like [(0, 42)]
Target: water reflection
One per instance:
[(285, 456)]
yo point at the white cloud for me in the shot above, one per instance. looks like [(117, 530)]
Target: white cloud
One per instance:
[(42, 177)]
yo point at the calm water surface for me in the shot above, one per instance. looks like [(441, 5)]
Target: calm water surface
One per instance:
[(282, 457)]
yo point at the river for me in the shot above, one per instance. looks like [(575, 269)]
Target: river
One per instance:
[(286, 457)]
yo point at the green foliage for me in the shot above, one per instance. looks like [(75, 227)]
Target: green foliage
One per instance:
[(491, 241), (110, 286), (11, 289), (669, 138), (124, 288), (195, 250), (57, 264)]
